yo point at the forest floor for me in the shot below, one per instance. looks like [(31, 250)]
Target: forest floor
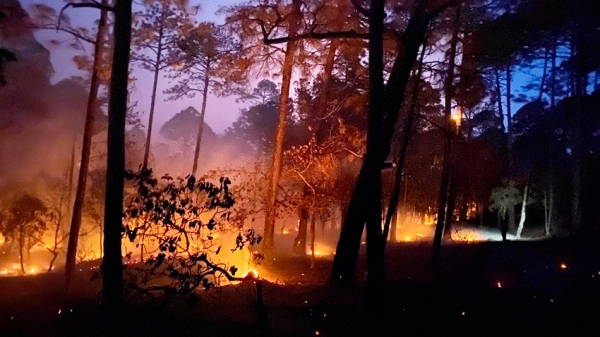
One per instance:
[(486, 289)]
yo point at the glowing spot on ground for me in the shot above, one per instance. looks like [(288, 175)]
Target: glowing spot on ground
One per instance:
[(499, 285), (563, 266)]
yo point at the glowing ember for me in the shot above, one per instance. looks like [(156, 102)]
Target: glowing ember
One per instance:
[(563, 266), (499, 285), (285, 231)]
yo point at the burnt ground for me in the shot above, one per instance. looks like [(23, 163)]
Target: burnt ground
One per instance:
[(482, 289)]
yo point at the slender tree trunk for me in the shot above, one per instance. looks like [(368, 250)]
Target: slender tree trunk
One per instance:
[(499, 96), (509, 131), (21, 244), (157, 65), (449, 127), (324, 94), (202, 114), (544, 72), (300, 239), (406, 135), (553, 88), (312, 238), (85, 150), (394, 225), (375, 239), (112, 280), (286, 74), (509, 120), (503, 227), (512, 225), (70, 177), (451, 205), (344, 263), (523, 213)]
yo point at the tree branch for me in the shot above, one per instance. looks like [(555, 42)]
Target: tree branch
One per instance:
[(69, 31), (351, 34), (93, 4)]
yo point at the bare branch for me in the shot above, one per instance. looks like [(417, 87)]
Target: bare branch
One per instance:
[(351, 34), (70, 31), (93, 4)]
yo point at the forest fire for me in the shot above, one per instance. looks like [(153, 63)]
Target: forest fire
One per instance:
[(155, 155)]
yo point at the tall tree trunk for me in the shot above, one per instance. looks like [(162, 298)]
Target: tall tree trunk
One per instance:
[(509, 131), (393, 225), (577, 142), (202, 114), (448, 127), (523, 213), (509, 120), (21, 244), (344, 263), (112, 266), (392, 212), (499, 96), (313, 229), (375, 239), (324, 94), (512, 225), (544, 72), (451, 206), (286, 74), (70, 177), (88, 131), (300, 239), (157, 64), (553, 88)]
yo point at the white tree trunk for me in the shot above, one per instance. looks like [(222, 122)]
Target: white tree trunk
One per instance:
[(523, 213)]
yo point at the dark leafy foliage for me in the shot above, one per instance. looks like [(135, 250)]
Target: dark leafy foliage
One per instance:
[(179, 222)]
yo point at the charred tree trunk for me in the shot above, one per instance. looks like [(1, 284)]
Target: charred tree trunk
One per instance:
[(85, 150), (202, 114), (512, 224), (499, 96), (393, 226), (344, 263), (313, 229), (548, 209), (112, 266), (70, 179), (324, 94), (286, 74), (300, 239), (449, 130), (451, 206), (553, 88), (503, 225), (21, 245), (544, 74), (375, 239), (509, 120), (157, 65), (406, 135)]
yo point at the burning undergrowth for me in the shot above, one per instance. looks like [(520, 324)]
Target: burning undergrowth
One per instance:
[(186, 234)]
